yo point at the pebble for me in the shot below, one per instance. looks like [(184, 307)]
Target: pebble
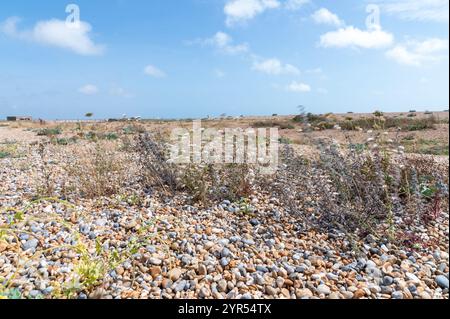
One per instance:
[(304, 293), (323, 289), (204, 292), (224, 262), (412, 277), (254, 222), (175, 274), (155, 271), (222, 285), (347, 294), (180, 286), (262, 269), (201, 270), (388, 280), (332, 277), (166, 283), (397, 295), (205, 252), (225, 253), (30, 244), (271, 291), (442, 282), (155, 261)]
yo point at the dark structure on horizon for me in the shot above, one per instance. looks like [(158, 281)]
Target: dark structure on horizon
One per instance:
[(19, 118)]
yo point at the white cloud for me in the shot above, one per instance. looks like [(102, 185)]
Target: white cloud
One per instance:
[(153, 71), (121, 92), (295, 4), (416, 53), (88, 89), (314, 71), (56, 33), (275, 67), (325, 16), (224, 43), (354, 37), (418, 10), (298, 87), (238, 11)]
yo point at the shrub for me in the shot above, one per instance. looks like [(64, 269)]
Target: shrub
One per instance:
[(285, 140), (111, 136), (4, 154), (49, 132), (405, 124), (153, 159), (231, 182), (133, 129), (321, 122), (310, 118), (95, 136), (95, 170), (378, 114), (65, 141), (46, 173), (361, 191), (270, 124), (325, 125)]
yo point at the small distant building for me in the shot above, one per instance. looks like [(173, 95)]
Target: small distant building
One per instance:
[(19, 118)]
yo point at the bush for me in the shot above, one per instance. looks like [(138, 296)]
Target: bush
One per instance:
[(65, 141), (153, 159), (284, 140), (4, 154), (405, 124), (270, 124), (94, 136), (10, 149), (210, 184), (111, 136), (49, 132), (362, 191), (325, 125), (310, 118), (378, 114), (321, 122), (133, 129), (95, 170)]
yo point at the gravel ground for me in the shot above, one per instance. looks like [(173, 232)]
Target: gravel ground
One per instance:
[(110, 248)]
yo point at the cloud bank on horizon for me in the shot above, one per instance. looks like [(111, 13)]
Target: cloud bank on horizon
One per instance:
[(254, 56)]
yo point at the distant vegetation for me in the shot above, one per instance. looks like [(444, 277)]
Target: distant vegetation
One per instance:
[(280, 125), (377, 122)]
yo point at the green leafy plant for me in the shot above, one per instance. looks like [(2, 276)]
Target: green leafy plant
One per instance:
[(4, 154)]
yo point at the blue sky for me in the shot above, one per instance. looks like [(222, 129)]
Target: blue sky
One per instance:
[(193, 58)]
